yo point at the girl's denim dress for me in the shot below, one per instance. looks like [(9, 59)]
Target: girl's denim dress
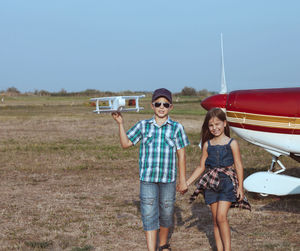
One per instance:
[(220, 156)]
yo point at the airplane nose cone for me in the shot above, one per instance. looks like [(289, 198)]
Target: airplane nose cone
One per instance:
[(218, 100)]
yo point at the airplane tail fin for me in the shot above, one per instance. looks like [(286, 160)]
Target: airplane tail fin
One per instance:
[(223, 80)]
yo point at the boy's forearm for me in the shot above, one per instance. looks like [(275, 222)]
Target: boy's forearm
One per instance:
[(182, 173), (182, 186), (125, 142), (182, 166)]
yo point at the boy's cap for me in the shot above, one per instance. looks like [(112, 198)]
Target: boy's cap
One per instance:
[(162, 92)]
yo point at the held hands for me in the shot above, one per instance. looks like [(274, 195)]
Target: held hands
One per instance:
[(182, 188)]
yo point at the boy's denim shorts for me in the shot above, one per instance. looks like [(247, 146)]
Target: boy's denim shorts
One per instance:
[(157, 204), (225, 192)]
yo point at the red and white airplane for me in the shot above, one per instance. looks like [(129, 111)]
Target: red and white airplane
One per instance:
[(269, 118)]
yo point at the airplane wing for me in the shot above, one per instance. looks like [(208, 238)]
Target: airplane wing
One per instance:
[(105, 98), (119, 110), (271, 183), (133, 97), (115, 97)]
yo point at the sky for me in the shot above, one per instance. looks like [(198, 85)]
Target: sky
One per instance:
[(138, 45)]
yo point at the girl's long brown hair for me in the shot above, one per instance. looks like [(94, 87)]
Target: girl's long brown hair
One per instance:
[(205, 133)]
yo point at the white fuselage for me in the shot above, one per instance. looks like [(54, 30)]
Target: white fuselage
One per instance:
[(282, 143)]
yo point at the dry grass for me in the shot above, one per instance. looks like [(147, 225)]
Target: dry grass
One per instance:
[(66, 184)]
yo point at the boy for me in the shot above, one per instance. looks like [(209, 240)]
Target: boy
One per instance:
[(161, 140)]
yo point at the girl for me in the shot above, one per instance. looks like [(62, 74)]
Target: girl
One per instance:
[(222, 184)]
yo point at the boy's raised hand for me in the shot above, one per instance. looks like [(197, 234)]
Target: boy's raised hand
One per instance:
[(125, 142), (117, 117)]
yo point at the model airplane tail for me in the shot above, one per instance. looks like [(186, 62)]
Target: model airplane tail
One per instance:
[(117, 104)]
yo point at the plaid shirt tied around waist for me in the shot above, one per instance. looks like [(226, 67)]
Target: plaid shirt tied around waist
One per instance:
[(210, 180), (157, 157)]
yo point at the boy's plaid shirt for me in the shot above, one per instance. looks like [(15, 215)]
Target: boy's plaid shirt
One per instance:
[(157, 159), (210, 180)]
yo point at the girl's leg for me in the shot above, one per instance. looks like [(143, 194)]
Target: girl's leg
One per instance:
[(222, 221), (219, 244)]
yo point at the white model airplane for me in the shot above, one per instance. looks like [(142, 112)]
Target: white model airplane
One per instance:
[(118, 104), (268, 118)]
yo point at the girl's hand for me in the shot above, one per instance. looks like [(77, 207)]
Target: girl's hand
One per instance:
[(240, 194)]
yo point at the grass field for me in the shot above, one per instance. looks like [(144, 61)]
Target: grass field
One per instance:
[(66, 184)]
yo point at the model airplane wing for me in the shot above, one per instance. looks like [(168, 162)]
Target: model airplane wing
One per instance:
[(104, 98), (117, 104)]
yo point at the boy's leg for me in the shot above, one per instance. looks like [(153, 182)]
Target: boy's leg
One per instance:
[(150, 213), (167, 193), (151, 237), (163, 235)]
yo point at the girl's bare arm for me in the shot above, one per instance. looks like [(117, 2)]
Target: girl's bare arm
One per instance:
[(199, 169), (238, 166)]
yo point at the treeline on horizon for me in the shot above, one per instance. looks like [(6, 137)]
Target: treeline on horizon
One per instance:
[(186, 91)]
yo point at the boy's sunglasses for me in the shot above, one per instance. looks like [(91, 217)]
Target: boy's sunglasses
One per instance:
[(158, 104)]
